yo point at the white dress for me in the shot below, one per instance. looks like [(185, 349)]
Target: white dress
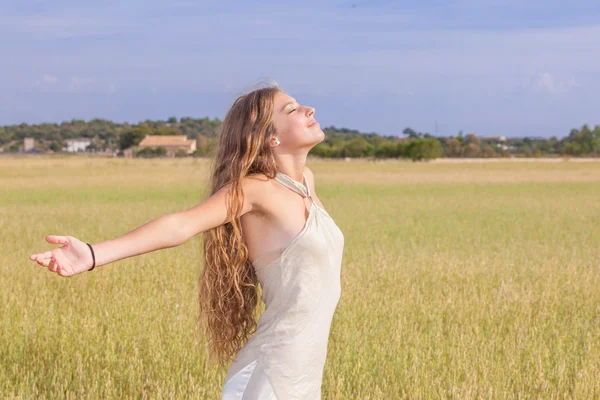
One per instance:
[(285, 357)]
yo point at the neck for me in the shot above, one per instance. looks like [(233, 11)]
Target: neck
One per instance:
[(292, 165)]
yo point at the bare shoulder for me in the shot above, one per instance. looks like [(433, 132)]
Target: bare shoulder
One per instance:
[(253, 186), (256, 177), (256, 182), (256, 187)]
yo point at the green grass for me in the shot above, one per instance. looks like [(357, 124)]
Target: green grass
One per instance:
[(459, 281)]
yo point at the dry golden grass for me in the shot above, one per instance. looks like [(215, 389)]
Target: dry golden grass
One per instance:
[(460, 280)]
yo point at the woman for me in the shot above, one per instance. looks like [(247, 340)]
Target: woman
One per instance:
[(263, 223)]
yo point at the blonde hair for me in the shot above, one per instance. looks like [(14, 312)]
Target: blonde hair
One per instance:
[(228, 286)]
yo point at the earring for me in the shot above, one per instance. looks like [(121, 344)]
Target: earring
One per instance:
[(277, 141)]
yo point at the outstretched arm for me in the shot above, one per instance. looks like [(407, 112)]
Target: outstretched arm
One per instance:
[(166, 231), (213, 211)]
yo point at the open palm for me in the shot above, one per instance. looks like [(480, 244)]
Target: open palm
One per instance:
[(71, 259)]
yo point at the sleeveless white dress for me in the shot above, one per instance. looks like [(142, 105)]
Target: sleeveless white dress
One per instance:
[(285, 357)]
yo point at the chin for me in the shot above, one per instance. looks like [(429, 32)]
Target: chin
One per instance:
[(313, 139), (322, 136), (318, 139)]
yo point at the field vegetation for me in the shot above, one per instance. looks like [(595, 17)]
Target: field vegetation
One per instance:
[(459, 281)]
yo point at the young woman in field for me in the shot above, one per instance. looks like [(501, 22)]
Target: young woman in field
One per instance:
[(263, 223)]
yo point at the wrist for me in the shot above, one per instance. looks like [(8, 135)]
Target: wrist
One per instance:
[(93, 257)]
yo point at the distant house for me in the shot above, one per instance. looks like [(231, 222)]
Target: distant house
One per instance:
[(498, 140), (494, 138), (402, 138), (171, 143), (76, 144), (128, 152), (6, 147), (28, 144)]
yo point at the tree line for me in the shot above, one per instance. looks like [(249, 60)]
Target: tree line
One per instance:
[(339, 143)]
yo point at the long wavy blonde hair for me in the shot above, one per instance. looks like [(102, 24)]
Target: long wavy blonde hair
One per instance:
[(228, 286)]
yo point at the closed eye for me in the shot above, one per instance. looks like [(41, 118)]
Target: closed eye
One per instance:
[(292, 111)]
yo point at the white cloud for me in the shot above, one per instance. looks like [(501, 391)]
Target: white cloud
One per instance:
[(545, 83)]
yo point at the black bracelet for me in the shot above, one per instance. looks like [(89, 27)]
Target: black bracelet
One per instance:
[(93, 257)]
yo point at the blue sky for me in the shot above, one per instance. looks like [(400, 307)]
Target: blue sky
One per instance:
[(492, 67)]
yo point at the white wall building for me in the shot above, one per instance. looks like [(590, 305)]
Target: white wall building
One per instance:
[(75, 145), (28, 143)]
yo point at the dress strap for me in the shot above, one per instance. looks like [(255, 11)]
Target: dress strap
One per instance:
[(294, 185)]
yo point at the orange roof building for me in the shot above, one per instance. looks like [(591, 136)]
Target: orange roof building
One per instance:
[(171, 143)]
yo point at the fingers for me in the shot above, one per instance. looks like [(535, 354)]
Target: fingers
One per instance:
[(54, 239), (48, 259), (63, 271), (56, 265), (45, 260), (41, 256), (52, 264)]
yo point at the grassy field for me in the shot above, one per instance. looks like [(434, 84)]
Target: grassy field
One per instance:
[(460, 281)]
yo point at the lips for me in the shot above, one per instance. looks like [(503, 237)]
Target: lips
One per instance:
[(313, 122)]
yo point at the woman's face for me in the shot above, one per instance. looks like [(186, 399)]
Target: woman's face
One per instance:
[(295, 124)]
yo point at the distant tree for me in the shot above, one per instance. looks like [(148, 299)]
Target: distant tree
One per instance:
[(358, 148), (411, 133), (423, 149), (401, 149), (212, 146), (472, 138), (386, 150), (199, 153), (595, 142), (584, 141), (546, 146), (133, 136), (454, 148), (487, 151), (56, 146), (202, 142), (471, 150), (323, 150), (378, 141), (5, 136), (92, 148), (337, 142), (151, 152)]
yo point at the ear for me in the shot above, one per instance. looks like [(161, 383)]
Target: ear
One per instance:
[(274, 141)]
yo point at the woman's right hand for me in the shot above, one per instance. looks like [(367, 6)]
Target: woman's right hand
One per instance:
[(71, 259)]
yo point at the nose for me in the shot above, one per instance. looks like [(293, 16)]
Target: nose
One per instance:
[(310, 111)]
